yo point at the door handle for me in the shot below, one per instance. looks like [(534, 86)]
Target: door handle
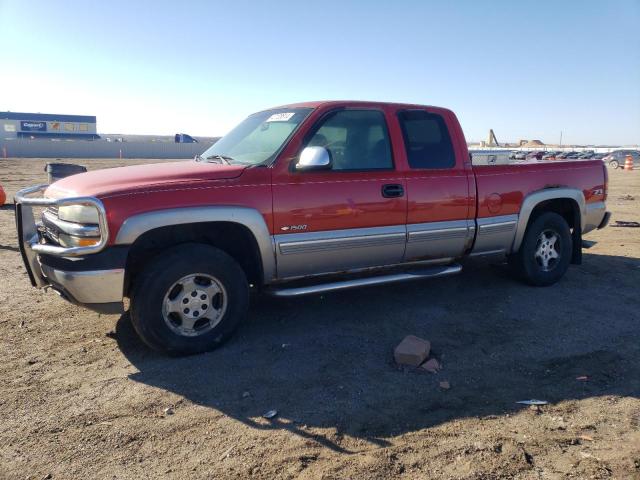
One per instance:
[(392, 190)]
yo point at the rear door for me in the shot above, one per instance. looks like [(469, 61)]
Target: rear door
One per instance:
[(440, 188), (349, 217)]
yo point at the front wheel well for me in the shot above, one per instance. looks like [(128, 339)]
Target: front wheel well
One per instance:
[(235, 239)]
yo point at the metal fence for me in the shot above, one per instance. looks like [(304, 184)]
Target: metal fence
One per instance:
[(17, 148), (552, 148)]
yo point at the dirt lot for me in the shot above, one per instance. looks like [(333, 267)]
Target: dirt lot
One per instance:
[(81, 397)]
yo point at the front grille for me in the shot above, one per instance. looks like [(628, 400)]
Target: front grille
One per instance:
[(49, 231), (53, 209)]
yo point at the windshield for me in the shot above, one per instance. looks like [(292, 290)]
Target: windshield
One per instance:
[(257, 138)]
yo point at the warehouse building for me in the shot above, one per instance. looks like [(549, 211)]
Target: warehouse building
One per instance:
[(47, 126)]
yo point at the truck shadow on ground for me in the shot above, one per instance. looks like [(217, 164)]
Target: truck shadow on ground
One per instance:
[(325, 362)]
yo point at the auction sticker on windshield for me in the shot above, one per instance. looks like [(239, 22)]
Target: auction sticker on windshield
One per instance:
[(280, 117)]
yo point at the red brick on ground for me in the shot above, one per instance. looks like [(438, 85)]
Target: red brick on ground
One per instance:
[(411, 351)]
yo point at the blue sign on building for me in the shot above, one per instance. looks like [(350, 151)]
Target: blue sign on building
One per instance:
[(30, 126)]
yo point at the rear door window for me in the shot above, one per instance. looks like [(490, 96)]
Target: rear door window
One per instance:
[(426, 139)]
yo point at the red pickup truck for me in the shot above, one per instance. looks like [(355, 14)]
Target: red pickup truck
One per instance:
[(300, 199)]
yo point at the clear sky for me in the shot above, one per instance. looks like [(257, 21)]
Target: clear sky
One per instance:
[(527, 69)]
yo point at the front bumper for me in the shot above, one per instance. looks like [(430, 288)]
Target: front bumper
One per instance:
[(98, 290), (89, 276)]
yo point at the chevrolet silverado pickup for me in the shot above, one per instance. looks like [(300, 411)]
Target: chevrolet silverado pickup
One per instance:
[(300, 199)]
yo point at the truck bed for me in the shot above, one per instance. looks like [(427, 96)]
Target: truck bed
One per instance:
[(502, 188)]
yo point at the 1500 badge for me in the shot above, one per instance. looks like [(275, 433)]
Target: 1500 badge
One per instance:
[(293, 228)]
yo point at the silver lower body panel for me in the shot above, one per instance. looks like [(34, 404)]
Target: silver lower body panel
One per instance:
[(495, 235), (595, 214), (301, 254), (438, 239)]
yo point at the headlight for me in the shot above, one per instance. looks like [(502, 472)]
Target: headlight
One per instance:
[(73, 225), (78, 214)]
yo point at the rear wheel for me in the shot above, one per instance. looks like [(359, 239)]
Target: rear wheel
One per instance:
[(545, 253), (614, 164), (188, 300)]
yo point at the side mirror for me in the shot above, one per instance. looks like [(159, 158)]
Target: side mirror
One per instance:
[(314, 158)]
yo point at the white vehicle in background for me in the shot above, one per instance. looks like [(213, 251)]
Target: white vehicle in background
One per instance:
[(490, 157)]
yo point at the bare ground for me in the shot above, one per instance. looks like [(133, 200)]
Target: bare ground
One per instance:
[(81, 397)]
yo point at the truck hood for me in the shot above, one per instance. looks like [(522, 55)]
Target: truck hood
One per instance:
[(140, 177)]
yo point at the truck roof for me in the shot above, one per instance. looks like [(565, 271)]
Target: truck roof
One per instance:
[(337, 103)]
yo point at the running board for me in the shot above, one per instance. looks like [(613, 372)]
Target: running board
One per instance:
[(430, 272)]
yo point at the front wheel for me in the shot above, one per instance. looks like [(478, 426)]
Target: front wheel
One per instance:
[(189, 300), (614, 164), (545, 253)]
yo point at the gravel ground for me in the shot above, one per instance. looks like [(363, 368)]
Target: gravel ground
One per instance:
[(81, 397)]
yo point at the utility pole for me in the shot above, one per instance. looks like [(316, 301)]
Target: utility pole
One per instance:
[(561, 138)]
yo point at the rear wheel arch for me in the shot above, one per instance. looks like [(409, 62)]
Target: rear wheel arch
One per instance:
[(567, 208), (567, 202)]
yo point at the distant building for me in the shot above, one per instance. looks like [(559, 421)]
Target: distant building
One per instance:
[(47, 125), (530, 143)]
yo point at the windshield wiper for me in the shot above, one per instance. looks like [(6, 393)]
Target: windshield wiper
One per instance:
[(222, 158)]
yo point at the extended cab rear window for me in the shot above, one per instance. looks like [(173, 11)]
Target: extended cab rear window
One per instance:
[(426, 139)]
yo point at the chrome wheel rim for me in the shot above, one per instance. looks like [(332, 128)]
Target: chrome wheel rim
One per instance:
[(194, 305), (548, 248)]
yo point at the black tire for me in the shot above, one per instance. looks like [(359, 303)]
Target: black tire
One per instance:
[(614, 164), (536, 262), (156, 285)]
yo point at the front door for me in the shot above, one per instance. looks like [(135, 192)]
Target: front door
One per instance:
[(350, 216)]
